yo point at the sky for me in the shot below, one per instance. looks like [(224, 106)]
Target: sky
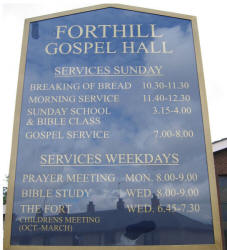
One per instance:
[(213, 39)]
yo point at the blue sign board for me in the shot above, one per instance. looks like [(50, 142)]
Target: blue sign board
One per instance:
[(112, 147)]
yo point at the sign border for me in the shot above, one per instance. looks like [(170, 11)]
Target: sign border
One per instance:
[(218, 245)]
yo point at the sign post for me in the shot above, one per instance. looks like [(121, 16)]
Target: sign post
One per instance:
[(111, 143)]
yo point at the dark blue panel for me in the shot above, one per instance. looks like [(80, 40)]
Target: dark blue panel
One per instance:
[(111, 143)]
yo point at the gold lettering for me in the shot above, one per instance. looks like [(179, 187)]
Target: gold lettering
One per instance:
[(153, 32), (78, 28), (60, 30)]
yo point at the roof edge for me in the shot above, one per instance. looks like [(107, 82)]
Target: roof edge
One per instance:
[(219, 145)]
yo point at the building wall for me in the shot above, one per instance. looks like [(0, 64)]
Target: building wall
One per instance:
[(220, 161)]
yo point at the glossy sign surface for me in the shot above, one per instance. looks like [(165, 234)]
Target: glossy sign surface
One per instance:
[(111, 143)]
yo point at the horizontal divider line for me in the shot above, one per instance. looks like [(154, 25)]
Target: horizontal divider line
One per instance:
[(103, 165), (106, 75)]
